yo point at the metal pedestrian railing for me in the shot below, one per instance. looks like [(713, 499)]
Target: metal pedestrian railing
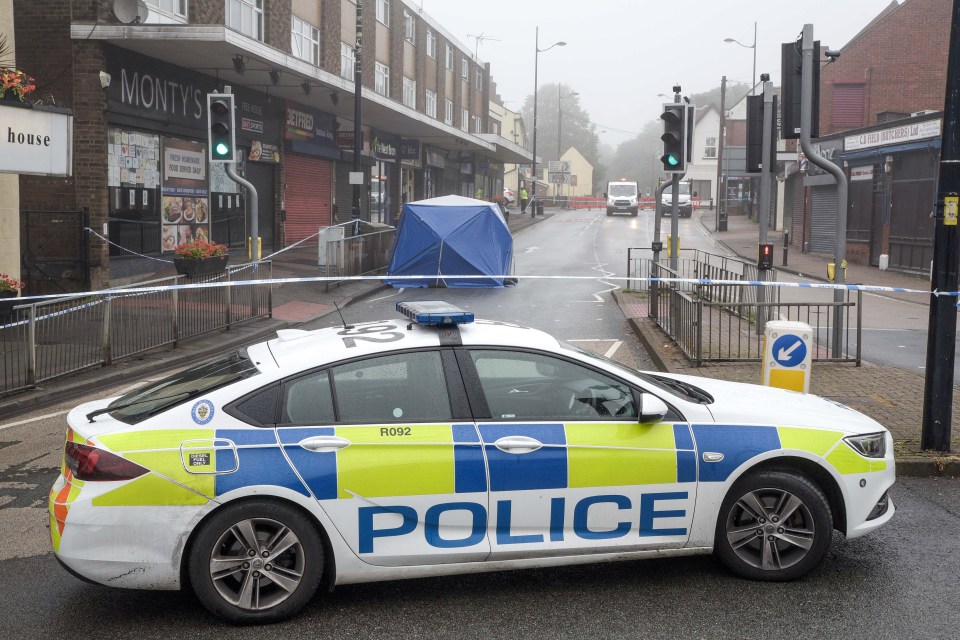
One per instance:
[(359, 255), (49, 339), (724, 323)]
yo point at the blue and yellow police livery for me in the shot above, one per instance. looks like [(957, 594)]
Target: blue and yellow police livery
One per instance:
[(438, 445)]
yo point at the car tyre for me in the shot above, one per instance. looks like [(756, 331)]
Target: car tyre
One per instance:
[(256, 562), (773, 526)]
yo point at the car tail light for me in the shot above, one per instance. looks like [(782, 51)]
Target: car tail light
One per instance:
[(91, 464)]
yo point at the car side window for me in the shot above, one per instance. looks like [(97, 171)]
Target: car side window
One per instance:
[(404, 387), (530, 386), (307, 400)]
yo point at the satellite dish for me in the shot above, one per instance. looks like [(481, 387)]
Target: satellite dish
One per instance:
[(130, 11)]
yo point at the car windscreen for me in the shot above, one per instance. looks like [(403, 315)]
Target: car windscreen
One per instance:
[(140, 404), (684, 189), (622, 190)]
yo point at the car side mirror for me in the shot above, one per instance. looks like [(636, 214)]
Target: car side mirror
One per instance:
[(652, 409)]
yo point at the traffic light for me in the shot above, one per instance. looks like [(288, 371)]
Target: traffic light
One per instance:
[(755, 108), (674, 137), (765, 258), (790, 90), (220, 130)]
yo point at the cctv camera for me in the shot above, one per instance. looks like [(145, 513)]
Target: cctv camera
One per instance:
[(832, 54), (104, 79)]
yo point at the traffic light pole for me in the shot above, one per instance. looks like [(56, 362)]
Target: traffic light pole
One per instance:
[(806, 122), (675, 205), (766, 175), (942, 331), (357, 127), (253, 249), (656, 245)]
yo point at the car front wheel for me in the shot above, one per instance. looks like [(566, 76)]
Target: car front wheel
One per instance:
[(256, 562), (773, 526)]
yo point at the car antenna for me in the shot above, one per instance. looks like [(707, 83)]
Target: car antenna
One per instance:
[(345, 325)]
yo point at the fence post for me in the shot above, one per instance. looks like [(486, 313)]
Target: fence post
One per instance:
[(175, 306), (107, 352), (229, 297), (654, 310), (270, 293), (253, 292), (699, 330), (859, 323), (629, 255), (32, 347)]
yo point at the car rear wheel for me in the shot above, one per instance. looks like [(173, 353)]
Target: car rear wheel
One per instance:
[(256, 562), (774, 526)]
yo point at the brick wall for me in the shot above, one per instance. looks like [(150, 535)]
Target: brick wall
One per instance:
[(276, 24), (330, 19), (396, 51), (902, 59), (368, 61)]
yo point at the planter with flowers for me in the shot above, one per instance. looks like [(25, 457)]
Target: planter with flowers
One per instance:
[(15, 85), (9, 290), (201, 258)]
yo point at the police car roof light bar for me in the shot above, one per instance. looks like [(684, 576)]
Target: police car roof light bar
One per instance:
[(434, 313)]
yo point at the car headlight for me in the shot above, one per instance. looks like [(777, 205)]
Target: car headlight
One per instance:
[(871, 445)]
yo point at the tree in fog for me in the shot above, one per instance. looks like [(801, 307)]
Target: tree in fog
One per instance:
[(577, 128)]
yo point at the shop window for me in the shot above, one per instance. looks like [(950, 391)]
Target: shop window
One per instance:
[(246, 16), (348, 58), (305, 41), (382, 79)]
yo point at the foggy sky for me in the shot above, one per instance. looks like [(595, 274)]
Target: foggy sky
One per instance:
[(621, 53)]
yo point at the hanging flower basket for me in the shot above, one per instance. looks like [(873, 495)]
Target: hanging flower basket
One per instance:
[(15, 85), (199, 258)]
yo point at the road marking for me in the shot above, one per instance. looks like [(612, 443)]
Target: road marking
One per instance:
[(37, 419), (609, 353), (531, 249), (398, 292), (612, 350)]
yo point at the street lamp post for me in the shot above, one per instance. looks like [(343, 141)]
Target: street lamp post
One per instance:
[(536, 61), (753, 84)]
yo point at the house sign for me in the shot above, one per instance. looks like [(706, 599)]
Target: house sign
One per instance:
[(36, 141)]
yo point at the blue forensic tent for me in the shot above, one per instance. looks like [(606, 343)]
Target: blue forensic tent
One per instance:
[(447, 237)]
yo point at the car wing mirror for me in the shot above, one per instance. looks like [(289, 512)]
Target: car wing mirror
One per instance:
[(652, 409)]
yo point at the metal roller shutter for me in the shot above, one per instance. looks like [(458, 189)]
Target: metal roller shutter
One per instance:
[(823, 219), (307, 196)]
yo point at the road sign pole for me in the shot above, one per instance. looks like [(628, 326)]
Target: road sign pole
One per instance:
[(942, 331)]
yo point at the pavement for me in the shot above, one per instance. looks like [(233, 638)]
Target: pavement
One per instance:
[(294, 304), (889, 395)]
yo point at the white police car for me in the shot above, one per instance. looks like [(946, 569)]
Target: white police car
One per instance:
[(436, 446)]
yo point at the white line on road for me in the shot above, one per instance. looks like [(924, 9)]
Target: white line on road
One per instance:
[(612, 350), (398, 292), (37, 419)]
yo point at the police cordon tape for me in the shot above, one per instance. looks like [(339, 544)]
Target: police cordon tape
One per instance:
[(443, 276)]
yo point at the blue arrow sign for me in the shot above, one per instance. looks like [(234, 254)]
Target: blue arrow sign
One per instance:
[(789, 351)]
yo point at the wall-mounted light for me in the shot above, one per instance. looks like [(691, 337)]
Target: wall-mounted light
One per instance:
[(334, 98), (306, 88), (239, 65), (275, 77)]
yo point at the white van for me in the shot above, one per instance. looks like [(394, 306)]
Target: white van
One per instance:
[(622, 196), (684, 204)]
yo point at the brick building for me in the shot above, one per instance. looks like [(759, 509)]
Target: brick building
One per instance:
[(138, 96), (880, 121)]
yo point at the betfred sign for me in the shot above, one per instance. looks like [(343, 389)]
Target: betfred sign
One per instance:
[(36, 141)]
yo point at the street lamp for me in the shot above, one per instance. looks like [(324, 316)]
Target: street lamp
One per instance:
[(753, 89), (536, 62)]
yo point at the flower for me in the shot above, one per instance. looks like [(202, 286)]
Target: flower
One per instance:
[(10, 284), (16, 81), (200, 249)]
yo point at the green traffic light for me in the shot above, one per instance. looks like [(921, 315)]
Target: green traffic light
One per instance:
[(672, 160), (222, 149)]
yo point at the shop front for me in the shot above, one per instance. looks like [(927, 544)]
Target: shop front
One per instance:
[(411, 171), (311, 145), (436, 161), (385, 178), (162, 190)]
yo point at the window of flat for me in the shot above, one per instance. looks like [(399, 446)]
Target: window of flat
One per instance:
[(530, 386), (348, 57), (431, 44), (381, 82), (175, 7), (383, 11), (431, 103), (464, 68), (448, 111), (710, 149), (409, 27), (479, 79), (405, 387), (464, 120), (246, 16), (449, 57), (305, 41), (410, 93)]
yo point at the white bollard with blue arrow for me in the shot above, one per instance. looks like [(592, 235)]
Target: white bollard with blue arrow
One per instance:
[(787, 354)]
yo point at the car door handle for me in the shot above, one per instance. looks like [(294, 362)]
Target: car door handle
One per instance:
[(517, 444), (324, 444)]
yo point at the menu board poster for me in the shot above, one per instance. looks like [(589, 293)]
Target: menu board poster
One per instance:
[(184, 205)]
